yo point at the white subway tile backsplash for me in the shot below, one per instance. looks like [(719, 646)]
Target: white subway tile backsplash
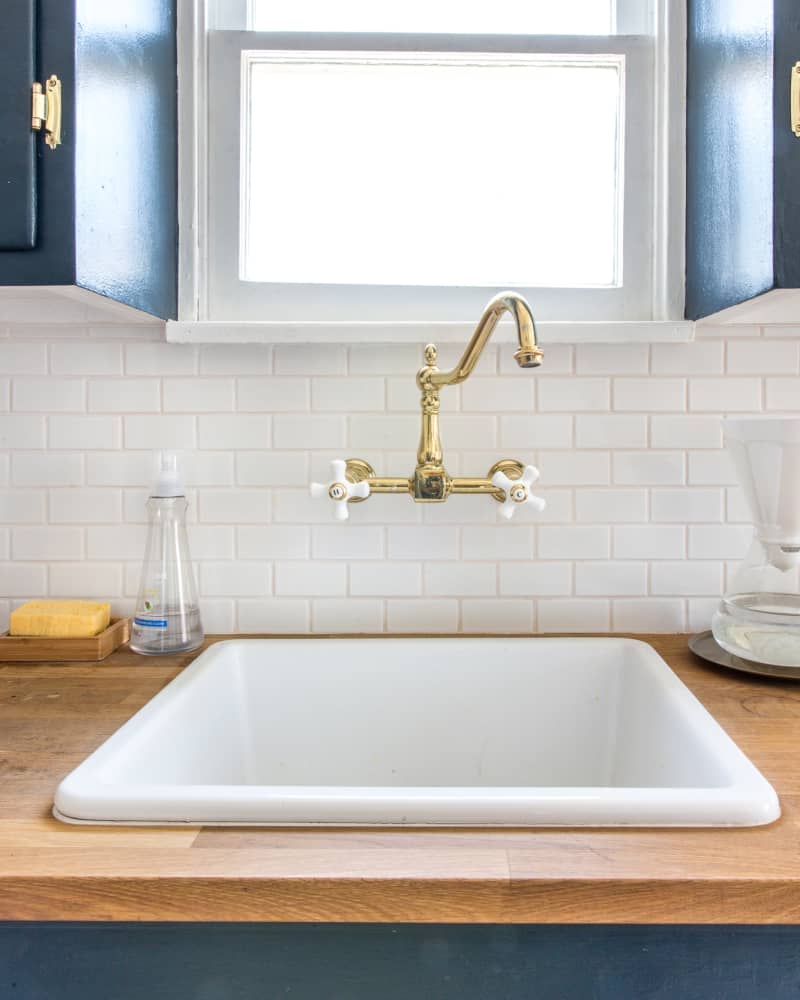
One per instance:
[(649, 468), (493, 395), (643, 513), (159, 431), (783, 394), (124, 395), (273, 395), (685, 432), (456, 579), (694, 358), (198, 395), (118, 468), (272, 468), (687, 504), (310, 359), (347, 395), (272, 541), (21, 580), (718, 541), (48, 395), (722, 395), (646, 395), (573, 542), (574, 615), (46, 468), (87, 358), (84, 505), (233, 430), (347, 541), (235, 579), (349, 614), (610, 506), (422, 542), (648, 615), (571, 395), (46, 543), (611, 579), (700, 611), (576, 468), (306, 432), (390, 359), (81, 432), (610, 431), (235, 359), (692, 578), (307, 578), (611, 359), (385, 579), (160, 359), (649, 541), (499, 615), (211, 541), (273, 615), (507, 541), (763, 357), (541, 431), (710, 468), (366, 432), (535, 579), (22, 431), (422, 616), (23, 359), (118, 541), (90, 580), (218, 615)]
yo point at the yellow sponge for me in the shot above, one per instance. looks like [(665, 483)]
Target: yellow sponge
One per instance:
[(60, 619)]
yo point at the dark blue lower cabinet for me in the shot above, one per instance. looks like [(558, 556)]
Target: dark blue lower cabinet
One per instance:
[(58, 961)]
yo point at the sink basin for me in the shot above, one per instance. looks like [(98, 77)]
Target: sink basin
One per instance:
[(471, 731)]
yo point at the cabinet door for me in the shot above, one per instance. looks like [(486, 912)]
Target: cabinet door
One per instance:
[(17, 149)]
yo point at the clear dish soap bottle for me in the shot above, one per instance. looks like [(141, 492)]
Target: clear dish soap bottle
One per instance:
[(167, 617)]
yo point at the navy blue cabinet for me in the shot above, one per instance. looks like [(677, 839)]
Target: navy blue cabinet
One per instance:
[(100, 210), (743, 161)]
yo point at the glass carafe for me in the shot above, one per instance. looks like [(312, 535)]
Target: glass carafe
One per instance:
[(759, 617)]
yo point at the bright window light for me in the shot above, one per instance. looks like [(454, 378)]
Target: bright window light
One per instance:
[(525, 17), (431, 169)]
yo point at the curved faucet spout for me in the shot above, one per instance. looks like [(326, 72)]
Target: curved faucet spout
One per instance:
[(529, 354)]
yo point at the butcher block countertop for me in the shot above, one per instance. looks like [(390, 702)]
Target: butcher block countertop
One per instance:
[(53, 715)]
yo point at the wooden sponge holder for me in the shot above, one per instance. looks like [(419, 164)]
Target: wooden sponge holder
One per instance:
[(44, 649)]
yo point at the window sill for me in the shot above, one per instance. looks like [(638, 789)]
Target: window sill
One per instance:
[(214, 332)]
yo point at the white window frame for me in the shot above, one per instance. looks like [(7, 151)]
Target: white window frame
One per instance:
[(210, 80)]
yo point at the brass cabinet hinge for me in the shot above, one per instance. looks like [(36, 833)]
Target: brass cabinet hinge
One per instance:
[(46, 110), (795, 99)]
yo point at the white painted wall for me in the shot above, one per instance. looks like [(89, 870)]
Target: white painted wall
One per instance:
[(643, 517)]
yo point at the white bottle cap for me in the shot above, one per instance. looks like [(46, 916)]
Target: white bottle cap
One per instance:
[(168, 479)]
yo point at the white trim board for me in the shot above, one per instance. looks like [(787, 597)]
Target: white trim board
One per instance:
[(182, 332)]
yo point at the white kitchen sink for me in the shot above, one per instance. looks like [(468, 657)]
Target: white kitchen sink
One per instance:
[(469, 731)]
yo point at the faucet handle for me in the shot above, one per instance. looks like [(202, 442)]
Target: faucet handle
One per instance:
[(340, 489), (517, 491)]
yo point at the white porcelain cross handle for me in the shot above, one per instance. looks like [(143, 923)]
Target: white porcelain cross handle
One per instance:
[(339, 489), (517, 491)]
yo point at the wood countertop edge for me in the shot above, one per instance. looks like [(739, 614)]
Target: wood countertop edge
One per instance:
[(551, 875)]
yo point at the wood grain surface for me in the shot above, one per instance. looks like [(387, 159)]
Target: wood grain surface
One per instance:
[(51, 717)]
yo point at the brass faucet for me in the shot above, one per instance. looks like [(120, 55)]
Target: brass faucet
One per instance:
[(507, 481)]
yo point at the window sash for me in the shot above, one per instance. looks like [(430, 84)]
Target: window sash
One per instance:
[(226, 297)]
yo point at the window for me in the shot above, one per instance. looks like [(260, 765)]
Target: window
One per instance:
[(363, 162)]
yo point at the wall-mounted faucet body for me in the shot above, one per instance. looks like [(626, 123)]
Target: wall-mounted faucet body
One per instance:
[(507, 480)]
